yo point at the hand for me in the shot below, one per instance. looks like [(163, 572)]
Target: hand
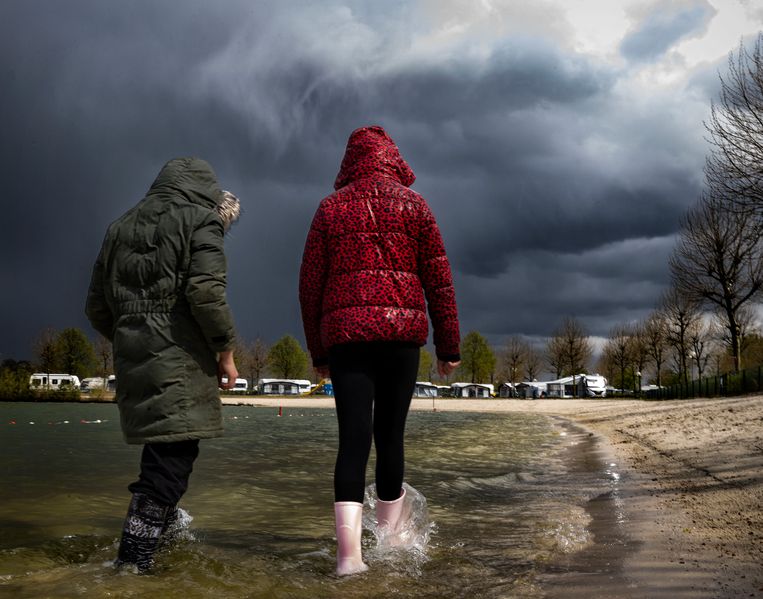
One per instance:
[(445, 368), (226, 367), (323, 371)]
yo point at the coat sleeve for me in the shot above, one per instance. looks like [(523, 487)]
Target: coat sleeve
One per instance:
[(206, 282), (97, 308), (312, 280), (437, 280)]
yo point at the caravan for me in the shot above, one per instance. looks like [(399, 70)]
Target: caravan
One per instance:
[(578, 385), (595, 385), (240, 386), (92, 383), (425, 389), (45, 380), (472, 390), (283, 386)]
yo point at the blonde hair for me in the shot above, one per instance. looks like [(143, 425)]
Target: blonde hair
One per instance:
[(229, 209)]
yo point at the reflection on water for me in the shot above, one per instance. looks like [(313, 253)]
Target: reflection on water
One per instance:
[(494, 498)]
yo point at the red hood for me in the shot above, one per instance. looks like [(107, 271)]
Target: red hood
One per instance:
[(372, 153)]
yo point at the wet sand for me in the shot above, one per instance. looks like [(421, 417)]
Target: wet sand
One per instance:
[(686, 517)]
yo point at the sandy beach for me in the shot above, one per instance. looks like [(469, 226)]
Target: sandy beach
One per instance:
[(690, 497)]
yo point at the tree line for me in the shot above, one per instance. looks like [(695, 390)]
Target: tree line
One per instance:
[(70, 351), (706, 321)]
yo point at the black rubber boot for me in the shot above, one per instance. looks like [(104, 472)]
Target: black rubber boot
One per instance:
[(142, 529)]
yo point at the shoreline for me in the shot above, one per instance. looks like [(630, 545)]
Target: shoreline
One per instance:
[(685, 516), (689, 502)]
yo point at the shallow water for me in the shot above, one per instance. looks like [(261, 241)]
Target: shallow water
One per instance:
[(504, 499)]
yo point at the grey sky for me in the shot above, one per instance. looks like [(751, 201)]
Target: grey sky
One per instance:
[(557, 144)]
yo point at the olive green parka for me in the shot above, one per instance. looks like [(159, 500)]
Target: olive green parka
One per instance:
[(158, 293)]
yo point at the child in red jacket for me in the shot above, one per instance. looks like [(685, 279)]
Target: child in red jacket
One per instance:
[(373, 263)]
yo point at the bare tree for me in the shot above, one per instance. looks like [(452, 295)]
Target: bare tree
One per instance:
[(513, 359), (734, 168), (680, 313), (699, 342), (105, 357), (718, 262), (533, 363), (47, 351), (555, 355), (618, 351), (639, 353), (251, 359), (655, 332), (569, 351)]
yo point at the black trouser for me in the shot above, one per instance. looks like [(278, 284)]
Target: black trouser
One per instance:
[(165, 469), (373, 385)]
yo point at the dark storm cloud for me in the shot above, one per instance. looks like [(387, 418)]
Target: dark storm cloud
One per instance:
[(615, 283), (665, 25), (519, 74), (555, 194)]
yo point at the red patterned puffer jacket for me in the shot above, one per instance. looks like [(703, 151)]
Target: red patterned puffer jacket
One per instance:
[(372, 255)]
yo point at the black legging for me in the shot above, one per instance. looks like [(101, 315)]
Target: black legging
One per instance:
[(373, 385), (165, 469)]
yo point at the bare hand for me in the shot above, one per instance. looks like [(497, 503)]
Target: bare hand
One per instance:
[(445, 368), (226, 367)]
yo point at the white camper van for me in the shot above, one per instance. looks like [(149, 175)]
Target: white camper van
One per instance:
[(240, 386), (45, 380), (92, 383)]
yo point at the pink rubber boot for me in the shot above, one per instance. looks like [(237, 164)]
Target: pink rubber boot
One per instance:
[(390, 516), (349, 526)]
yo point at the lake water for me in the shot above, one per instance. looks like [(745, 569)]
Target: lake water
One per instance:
[(508, 501)]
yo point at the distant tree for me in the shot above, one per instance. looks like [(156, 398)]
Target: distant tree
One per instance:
[(748, 328), (16, 366), (425, 365), (46, 351), (477, 359), (718, 360), (718, 263), (569, 350), (734, 168), (655, 333), (251, 359), (680, 312), (700, 346), (556, 355), (513, 359), (533, 363), (287, 359), (753, 352), (618, 353), (105, 357), (14, 379), (639, 353), (76, 353)]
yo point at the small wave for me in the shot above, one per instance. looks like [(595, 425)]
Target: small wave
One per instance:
[(501, 481)]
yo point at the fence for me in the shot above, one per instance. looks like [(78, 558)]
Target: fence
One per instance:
[(739, 383)]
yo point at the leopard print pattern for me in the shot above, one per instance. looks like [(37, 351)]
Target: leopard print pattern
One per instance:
[(374, 259)]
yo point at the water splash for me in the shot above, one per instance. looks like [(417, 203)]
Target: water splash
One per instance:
[(179, 529), (406, 547)]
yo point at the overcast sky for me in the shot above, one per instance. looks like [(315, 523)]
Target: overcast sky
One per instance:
[(557, 142)]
